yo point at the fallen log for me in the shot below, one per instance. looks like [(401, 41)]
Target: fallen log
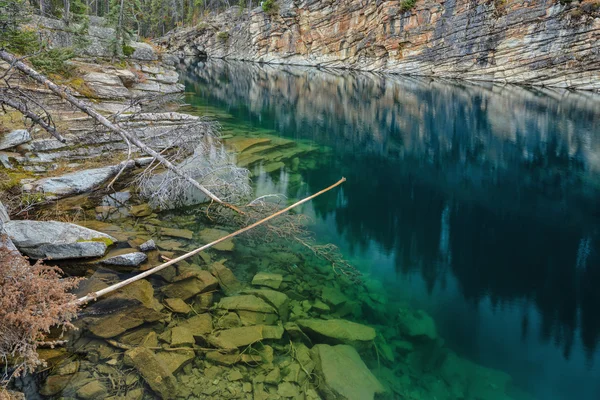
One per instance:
[(117, 286)]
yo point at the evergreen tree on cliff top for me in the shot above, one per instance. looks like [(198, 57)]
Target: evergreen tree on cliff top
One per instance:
[(123, 18)]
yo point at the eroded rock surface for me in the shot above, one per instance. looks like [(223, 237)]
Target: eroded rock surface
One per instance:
[(57, 240), (536, 42)]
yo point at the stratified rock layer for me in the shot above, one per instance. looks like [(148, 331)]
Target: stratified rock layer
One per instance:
[(537, 42)]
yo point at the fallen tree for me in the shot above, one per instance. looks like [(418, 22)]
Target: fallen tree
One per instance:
[(128, 137), (158, 268)]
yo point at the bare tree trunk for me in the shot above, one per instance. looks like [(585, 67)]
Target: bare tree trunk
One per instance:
[(66, 11), (11, 102), (127, 136)]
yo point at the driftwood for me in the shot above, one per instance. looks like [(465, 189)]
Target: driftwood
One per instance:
[(89, 110), (149, 272)]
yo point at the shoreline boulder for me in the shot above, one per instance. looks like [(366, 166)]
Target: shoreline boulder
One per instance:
[(343, 374), (57, 240)]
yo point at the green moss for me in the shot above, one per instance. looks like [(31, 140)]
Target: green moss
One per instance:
[(406, 5), (223, 36), (104, 240), (270, 7), (128, 50)]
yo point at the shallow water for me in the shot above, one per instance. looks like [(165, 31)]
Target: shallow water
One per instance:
[(475, 202)]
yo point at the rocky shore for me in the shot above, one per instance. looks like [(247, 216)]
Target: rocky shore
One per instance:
[(543, 43), (252, 320)]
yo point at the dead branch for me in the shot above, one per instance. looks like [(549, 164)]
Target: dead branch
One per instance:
[(9, 100), (89, 110), (151, 271)]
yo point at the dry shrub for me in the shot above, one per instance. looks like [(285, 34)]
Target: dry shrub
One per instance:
[(33, 298)]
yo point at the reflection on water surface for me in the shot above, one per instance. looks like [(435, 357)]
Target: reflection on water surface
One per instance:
[(475, 202)]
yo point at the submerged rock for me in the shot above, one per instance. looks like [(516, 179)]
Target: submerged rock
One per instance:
[(198, 325), (337, 330), (178, 233), (247, 303), (210, 235), (175, 360), (57, 240), (148, 246), (177, 305), (227, 280), (91, 391), (154, 371), (266, 279), (343, 374), (244, 336), (127, 260), (279, 300), (135, 304), (416, 324), (184, 289)]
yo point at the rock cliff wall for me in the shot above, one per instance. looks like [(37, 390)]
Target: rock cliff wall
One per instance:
[(538, 42)]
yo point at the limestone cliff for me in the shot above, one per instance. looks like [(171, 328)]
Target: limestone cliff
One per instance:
[(538, 42)]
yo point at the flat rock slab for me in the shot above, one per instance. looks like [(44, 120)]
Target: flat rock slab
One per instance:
[(198, 325), (227, 280), (279, 300), (178, 306), (127, 260), (210, 235), (337, 330), (179, 233), (343, 374), (75, 182), (247, 303), (14, 138), (154, 371), (267, 279), (244, 336), (201, 282), (57, 240), (417, 323), (175, 360)]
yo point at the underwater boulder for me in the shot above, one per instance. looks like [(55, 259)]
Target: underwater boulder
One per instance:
[(416, 324), (343, 374), (126, 260), (279, 300), (272, 281), (154, 371), (200, 282), (227, 281), (337, 331)]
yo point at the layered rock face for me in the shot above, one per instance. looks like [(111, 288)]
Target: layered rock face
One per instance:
[(538, 42)]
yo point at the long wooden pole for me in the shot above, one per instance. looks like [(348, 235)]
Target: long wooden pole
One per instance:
[(144, 274)]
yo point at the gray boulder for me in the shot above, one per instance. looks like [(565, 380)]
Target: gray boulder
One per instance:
[(337, 331), (343, 374), (3, 214), (106, 86), (76, 182), (57, 240), (143, 52), (416, 324), (127, 260), (148, 246), (14, 138)]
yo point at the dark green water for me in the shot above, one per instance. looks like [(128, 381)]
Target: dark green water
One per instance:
[(475, 202)]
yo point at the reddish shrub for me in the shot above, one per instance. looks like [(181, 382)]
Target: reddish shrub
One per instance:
[(33, 298)]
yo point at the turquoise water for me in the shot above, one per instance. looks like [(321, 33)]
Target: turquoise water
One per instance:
[(475, 202)]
